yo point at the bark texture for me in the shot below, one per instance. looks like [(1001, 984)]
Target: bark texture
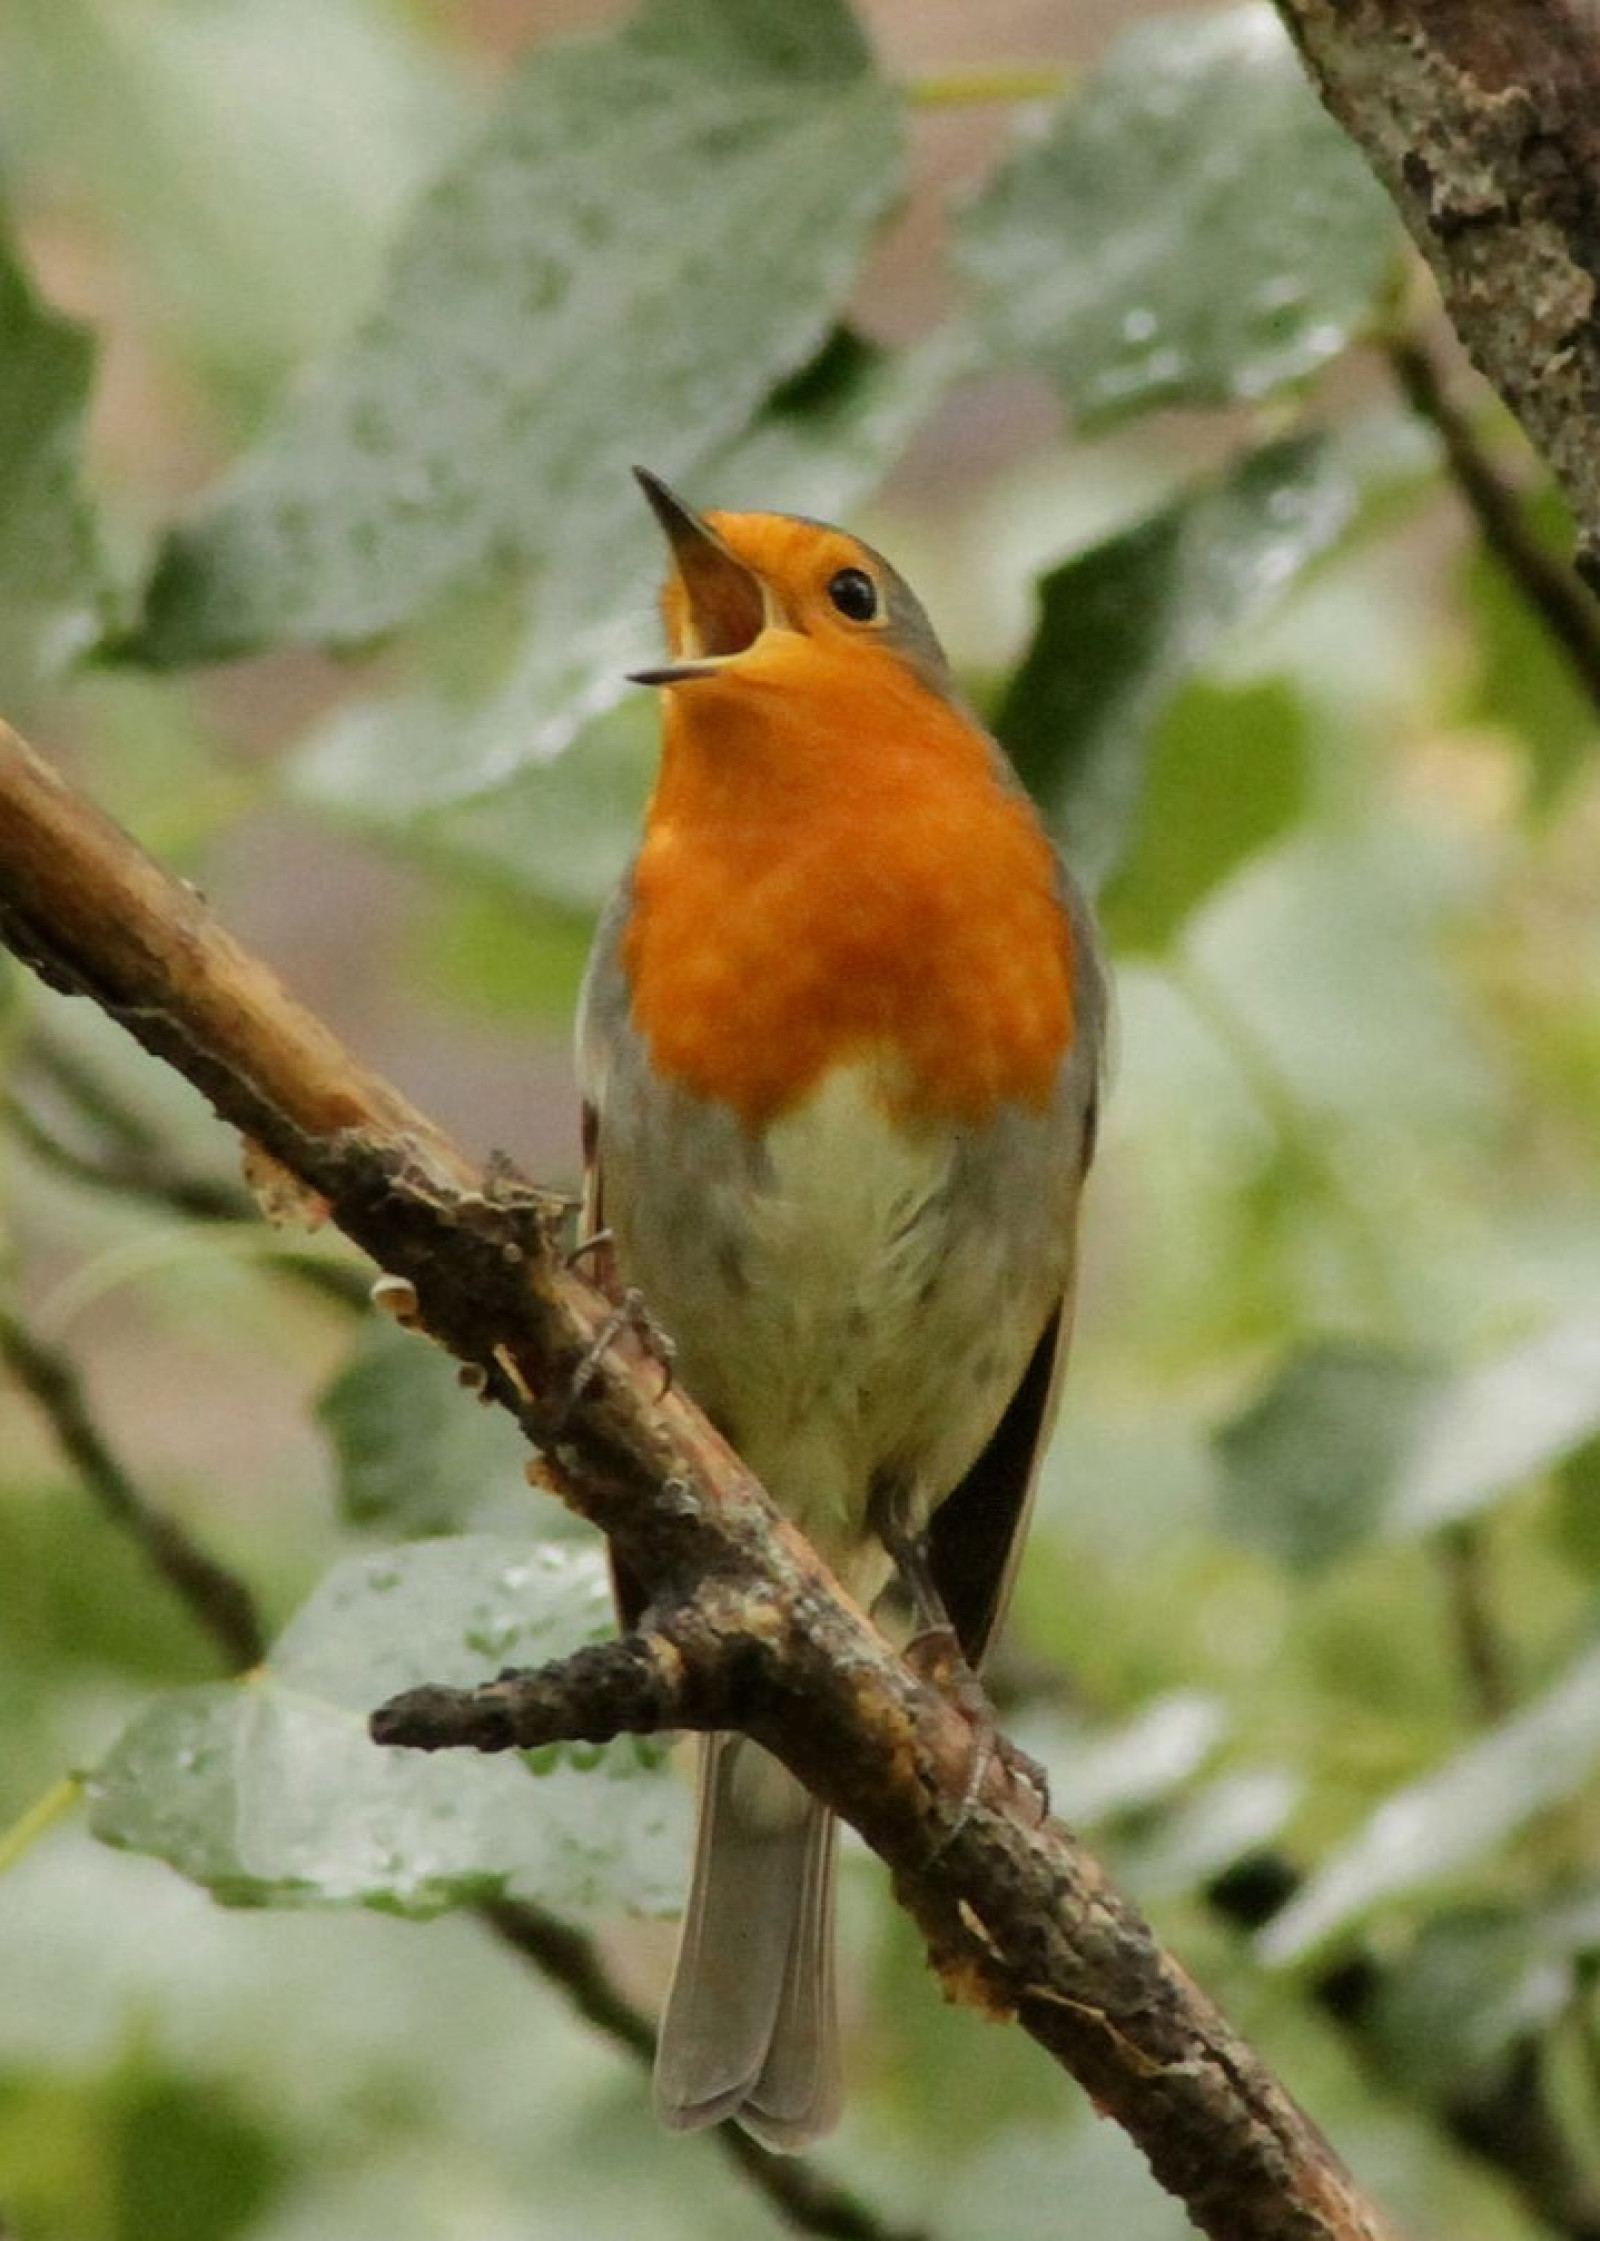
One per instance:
[(1482, 118)]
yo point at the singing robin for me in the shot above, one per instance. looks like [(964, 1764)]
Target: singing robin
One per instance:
[(840, 1044)]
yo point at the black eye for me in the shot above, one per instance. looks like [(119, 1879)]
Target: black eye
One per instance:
[(854, 593)]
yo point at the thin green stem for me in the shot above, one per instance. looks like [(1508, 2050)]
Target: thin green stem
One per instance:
[(129, 1160), (39, 1819), (957, 89)]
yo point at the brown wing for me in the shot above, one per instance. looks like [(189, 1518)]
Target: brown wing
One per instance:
[(976, 1534)]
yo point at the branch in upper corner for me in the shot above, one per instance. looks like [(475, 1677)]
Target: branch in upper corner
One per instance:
[(1557, 594), (1482, 118)]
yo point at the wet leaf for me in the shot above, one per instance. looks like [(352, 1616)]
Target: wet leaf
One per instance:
[(54, 586), (1125, 623), (270, 1793), (1189, 228), (416, 1453), (654, 233), (1350, 1443), (1309, 1468), (1449, 1820)]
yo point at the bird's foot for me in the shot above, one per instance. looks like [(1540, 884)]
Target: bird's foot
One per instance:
[(935, 1656)]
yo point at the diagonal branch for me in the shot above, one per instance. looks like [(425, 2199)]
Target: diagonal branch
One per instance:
[(799, 2194), (744, 1623)]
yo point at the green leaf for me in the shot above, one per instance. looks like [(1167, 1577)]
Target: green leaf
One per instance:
[(136, 2153), (1577, 1508), (558, 829), (1230, 1818), (1472, 1984), (269, 1792), (1308, 1468), (505, 957), (1098, 1772), (825, 436), (54, 587), (1190, 227), (1124, 624), (1450, 1819), (478, 776), (193, 2164), (416, 1453), (1352, 1443), (1226, 776), (1499, 1424), (655, 232)]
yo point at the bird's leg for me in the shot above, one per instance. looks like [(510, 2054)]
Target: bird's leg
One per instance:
[(934, 1650), (936, 1655), (629, 1314)]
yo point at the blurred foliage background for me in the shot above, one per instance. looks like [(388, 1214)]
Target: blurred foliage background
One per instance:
[(327, 333)]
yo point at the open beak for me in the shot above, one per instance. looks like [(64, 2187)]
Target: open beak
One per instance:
[(724, 606)]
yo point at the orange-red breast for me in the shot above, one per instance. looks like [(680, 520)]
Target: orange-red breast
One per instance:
[(840, 1043)]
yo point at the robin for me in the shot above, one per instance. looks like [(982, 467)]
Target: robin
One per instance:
[(840, 1043)]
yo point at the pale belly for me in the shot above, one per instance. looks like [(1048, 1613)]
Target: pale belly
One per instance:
[(846, 1305)]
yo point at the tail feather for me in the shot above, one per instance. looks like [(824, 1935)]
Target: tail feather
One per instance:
[(750, 2030)]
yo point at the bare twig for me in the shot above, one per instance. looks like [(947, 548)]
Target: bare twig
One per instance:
[(86, 1091), (220, 1602), (1482, 118), (1555, 592), (792, 2187), (129, 1172), (131, 1161), (569, 1959), (1019, 1920)]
